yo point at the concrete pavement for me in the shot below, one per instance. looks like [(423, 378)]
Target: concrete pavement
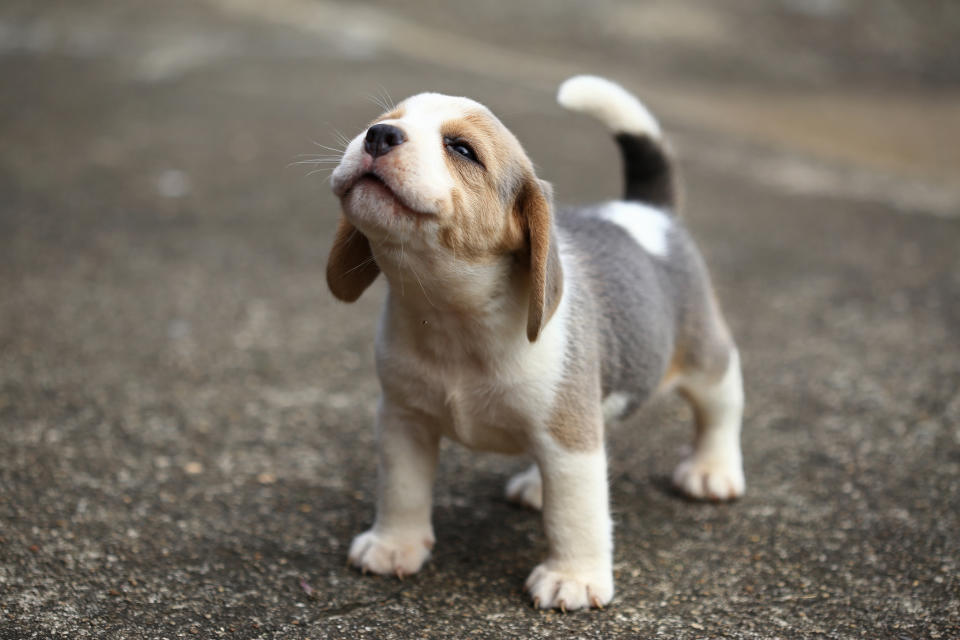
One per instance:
[(185, 412)]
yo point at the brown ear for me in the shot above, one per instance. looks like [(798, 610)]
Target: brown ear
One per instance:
[(534, 205), (350, 267)]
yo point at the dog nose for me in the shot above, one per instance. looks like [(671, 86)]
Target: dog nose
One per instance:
[(381, 138)]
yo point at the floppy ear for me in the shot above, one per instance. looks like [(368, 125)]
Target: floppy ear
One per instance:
[(350, 267), (534, 208)]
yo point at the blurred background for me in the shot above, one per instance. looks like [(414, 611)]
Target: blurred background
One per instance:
[(185, 412)]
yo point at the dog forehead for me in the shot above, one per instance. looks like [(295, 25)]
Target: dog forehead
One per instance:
[(434, 109)]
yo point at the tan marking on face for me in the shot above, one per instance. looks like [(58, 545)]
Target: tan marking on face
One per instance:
[(481, 225), (396, 114)]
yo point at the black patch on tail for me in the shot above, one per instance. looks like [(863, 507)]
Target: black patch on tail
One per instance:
[(647, 171)]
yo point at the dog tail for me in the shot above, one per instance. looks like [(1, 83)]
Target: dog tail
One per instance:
[(648, 169)]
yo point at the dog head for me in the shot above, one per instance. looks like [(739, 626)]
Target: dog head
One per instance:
[(443, 176)]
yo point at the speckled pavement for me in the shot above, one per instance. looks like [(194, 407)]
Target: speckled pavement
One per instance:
[(186, 413)]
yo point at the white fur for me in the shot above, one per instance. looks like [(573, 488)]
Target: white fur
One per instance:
[(609, 103), (526, 488), (648, 226), (493, 408), (437, 391), (402, 536), (454, 361), (429, 393), (422, 164), (614, 405), (415, 171), (578, 571), (715, 468)]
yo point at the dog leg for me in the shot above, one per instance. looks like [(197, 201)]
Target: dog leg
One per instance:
[(578, 571), (402, 536), (714, 470), (526, 488)]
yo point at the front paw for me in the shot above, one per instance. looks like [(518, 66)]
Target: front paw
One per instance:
[(718, 476), (385, 554), (553, 588)]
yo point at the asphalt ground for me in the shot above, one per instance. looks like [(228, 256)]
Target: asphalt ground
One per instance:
[(186, 413)]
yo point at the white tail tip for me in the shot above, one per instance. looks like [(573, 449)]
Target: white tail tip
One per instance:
[(609, 103)]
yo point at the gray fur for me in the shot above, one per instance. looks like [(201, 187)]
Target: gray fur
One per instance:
[(643, 307)]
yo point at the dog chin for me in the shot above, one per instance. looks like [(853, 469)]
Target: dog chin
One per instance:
[(371, 202)]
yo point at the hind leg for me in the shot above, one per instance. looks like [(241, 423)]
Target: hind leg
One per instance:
[(526, 488), (714, 471)]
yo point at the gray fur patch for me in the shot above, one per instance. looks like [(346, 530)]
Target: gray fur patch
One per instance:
[(646, 311)]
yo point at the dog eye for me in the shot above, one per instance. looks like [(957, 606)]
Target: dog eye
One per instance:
[(463, 148)]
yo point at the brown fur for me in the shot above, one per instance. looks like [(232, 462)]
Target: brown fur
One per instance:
[(702, 355), (546, 275), (674, 370), (350, 267), (703, 348), (499, 208), (576, 421), (396, 114), (479, 228), (699, 417)]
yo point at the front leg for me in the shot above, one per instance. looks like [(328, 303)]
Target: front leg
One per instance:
[(578, 571), (401, 538)]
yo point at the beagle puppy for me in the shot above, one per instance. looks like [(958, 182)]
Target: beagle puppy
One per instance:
[(514, 326)]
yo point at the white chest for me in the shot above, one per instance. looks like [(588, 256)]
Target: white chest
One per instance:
[(488, 400), (475, 379), (479, 409)]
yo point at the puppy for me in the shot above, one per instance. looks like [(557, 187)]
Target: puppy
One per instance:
[(516, 327)]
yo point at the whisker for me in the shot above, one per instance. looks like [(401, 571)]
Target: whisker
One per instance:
[(318, 158), (319, 155), (341, 139), (333, 149), (315, 161), (385, 95), (378, 101), (422, 287), (401, 267), (383, 242), (362, 264)]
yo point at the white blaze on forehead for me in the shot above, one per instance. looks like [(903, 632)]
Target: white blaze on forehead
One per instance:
[(426, 179), (649, 227), (416, 170), (437, 105)]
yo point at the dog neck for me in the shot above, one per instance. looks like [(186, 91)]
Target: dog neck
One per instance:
[(454, 305)]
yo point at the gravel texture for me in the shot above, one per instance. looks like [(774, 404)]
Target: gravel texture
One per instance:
[(185, 412)]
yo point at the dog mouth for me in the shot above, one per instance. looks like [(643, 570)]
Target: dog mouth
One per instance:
[(371, 178), (376, 183)]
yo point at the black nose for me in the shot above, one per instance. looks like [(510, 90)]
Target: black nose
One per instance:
[(381, 138)]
